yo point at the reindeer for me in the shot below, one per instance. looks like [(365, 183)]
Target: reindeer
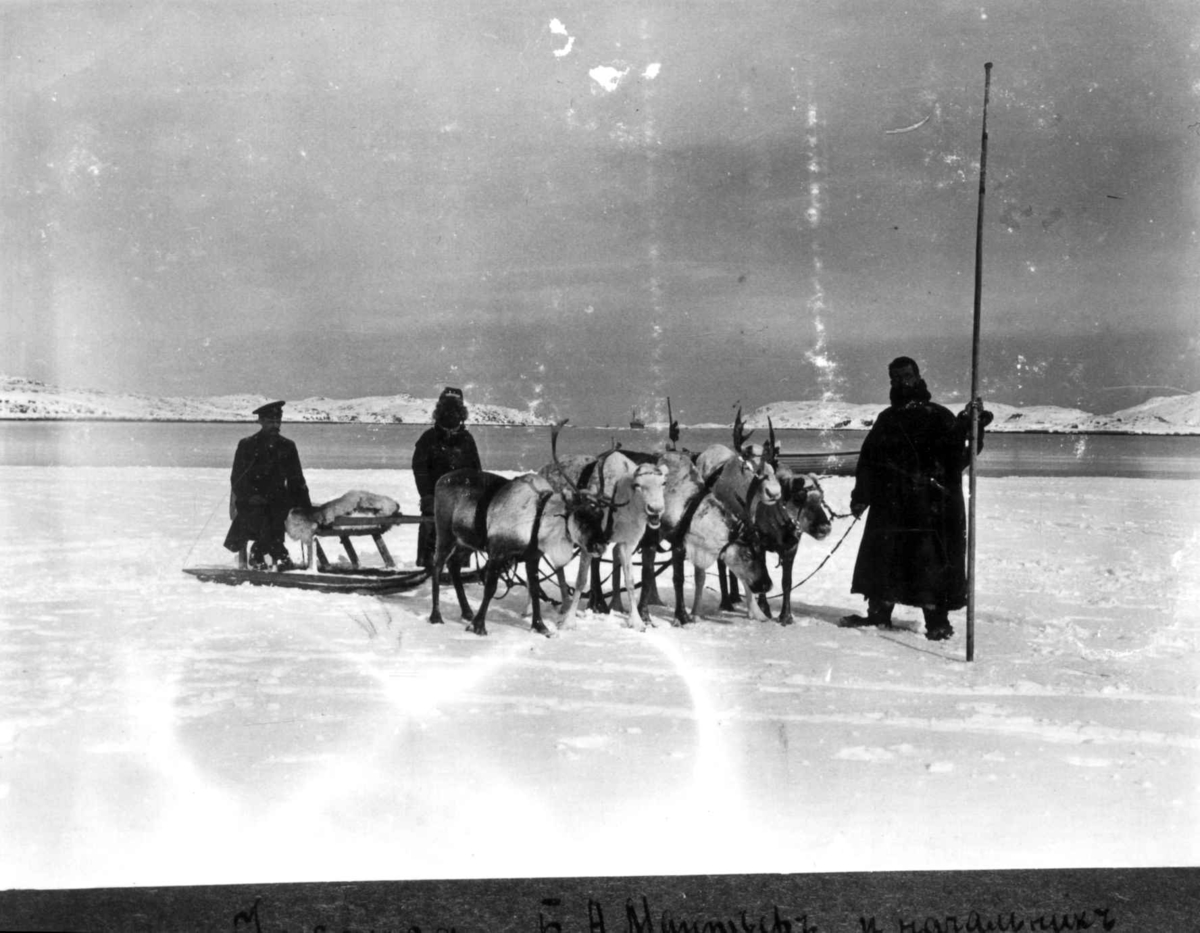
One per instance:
[(519, 519), (800, 510), (695, 524), (637, 490), (703, 530), (744, 479)]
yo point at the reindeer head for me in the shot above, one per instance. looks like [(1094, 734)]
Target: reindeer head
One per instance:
[(588, 524), (649, 481), (745, 554), (804, 501), (761, 484), (588, 514)]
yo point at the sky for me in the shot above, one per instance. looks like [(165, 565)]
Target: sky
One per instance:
[(585, 208)]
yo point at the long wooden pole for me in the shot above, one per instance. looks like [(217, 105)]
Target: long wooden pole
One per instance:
[(987, 86)]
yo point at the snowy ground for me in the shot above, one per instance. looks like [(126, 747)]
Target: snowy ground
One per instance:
[(156, 730)]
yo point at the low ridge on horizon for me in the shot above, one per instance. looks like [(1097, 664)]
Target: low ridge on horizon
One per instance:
[(26, 399)]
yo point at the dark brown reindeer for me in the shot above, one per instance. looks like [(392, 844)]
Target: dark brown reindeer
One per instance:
[(514, 520)]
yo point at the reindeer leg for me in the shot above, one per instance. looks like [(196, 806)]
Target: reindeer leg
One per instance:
[(723, 577), (456, 577), (636, 605), (735, 595), (439, 561), (698, 576), (622, 555), (617, 603), (490, 578), (563, 592), (531, 577), (754, 608), (596, 601), (571, 603), (785, 610), (762, 602), (649, 552), (681, 616)]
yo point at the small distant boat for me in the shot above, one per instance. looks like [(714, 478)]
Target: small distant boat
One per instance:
[(636, 421)]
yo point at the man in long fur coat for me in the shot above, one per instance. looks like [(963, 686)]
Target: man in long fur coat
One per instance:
[(909, 476), (267, 482)]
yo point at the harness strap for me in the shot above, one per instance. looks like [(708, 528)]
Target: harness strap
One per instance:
[(685, 521), (543, 498), (752, 491)]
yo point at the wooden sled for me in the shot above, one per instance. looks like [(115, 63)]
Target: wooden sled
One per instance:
[(320, 574)]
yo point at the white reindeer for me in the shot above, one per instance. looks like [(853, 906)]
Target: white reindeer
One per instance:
[(636, 491)]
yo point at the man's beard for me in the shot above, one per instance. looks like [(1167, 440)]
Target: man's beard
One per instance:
[(903, 394)]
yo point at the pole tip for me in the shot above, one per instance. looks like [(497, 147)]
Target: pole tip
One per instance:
[(987, 66)]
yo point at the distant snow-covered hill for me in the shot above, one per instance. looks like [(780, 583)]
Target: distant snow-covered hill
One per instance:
[(26, 399), (1174, 415)]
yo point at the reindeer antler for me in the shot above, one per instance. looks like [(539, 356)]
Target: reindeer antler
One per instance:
[(773, 452), (580, 493), (554, 454), (740, 434)]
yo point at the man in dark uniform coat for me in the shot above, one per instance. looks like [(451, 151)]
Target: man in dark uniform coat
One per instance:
[(446, 446), (267, 483), (909, 475)]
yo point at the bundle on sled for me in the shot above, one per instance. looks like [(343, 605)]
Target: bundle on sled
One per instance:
[(353, 514), (351, 509)]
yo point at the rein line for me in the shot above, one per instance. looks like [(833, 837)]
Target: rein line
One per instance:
[(833, 550)]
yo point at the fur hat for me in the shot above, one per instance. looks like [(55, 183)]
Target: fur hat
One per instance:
[(901, 361), (451, 400)]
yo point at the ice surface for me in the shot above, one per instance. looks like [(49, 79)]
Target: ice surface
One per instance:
[(157, 730)]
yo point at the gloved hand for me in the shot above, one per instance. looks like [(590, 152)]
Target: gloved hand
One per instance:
[(985, 417), (857, 508), (426, 505)]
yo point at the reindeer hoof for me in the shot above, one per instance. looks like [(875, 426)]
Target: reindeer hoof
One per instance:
[(542, 629), (435, 618), (477, 629), (681, 619), (786, 620)]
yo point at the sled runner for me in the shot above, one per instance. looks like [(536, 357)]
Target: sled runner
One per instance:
[(348, 577), (332, 580)]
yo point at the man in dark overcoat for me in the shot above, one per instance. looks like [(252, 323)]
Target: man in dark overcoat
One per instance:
[(267, 483), (446, 446), (909, 476)]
